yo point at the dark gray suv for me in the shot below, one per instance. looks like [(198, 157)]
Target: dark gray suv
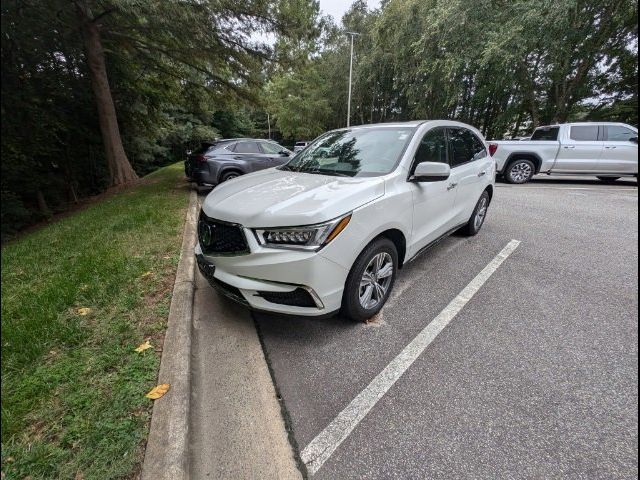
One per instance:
[(221, 160)]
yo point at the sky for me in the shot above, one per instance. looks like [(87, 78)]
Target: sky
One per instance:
[(337, 8)]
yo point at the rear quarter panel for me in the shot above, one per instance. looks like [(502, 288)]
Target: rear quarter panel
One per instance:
[(545, 151)]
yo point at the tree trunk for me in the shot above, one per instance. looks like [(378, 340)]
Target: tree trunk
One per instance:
[(516, 128), (42, 204), (120, 170)]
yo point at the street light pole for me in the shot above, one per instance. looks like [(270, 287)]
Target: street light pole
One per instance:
[(269, 125), (351, 34)]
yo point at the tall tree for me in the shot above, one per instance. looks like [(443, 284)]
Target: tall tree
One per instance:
[(120, 170)]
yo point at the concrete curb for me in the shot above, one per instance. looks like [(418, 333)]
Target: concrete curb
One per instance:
[(167, 455)]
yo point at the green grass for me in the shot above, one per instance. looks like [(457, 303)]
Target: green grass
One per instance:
[(72, 386)]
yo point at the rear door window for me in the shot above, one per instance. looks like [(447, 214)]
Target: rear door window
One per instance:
[(464, 147), (619, 134), (247, 147), (584, 133), (546, 133)]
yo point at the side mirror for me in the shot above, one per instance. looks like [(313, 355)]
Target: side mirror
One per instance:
[(430, 172), (634, 140), (284, 153)]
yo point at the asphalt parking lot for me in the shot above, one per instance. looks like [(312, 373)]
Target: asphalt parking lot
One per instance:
[(535, 377)]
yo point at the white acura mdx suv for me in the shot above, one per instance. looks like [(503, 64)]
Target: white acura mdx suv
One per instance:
[(330, 228)]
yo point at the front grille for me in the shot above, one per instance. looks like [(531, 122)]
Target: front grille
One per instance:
[(296, 298), (221, 238)]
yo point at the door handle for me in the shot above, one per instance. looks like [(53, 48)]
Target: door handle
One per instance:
[(452, 185), (482, 173), (569, 146), (612, 146)]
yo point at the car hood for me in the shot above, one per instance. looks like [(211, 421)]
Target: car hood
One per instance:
[(272, 198)]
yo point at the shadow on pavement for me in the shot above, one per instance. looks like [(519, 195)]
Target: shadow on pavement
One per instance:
[(544, 180)]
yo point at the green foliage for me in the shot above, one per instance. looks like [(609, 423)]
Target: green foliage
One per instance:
[(299, 107), (502, 66), (73, 389), (234, 123), (171, 65)]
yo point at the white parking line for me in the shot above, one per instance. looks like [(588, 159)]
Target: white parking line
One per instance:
[(322, 447)]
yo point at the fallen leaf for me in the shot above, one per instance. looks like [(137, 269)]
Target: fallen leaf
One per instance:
[(158, 391), (143, 346), (145, 274), (83, 311)]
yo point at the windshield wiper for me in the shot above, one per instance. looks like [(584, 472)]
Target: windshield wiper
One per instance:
[(328, 172)]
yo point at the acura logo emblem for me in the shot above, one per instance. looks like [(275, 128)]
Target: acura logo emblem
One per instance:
[(205, 233)]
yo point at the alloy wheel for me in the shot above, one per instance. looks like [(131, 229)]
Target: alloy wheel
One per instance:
[(481, 213), (521, 172), (375, 280)]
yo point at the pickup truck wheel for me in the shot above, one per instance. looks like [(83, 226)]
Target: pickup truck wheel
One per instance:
[(478, 216), (608, 179), (370, 280), (520, 171)]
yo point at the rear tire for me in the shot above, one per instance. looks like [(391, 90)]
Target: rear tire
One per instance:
[(478, 216), (608, 179), (229, 175), (519, 171), (370, 280)]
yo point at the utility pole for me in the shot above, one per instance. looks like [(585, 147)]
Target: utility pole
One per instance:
[(351, 34), (269, 125)]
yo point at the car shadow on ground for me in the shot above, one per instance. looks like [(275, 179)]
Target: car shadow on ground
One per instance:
[(548, 180)]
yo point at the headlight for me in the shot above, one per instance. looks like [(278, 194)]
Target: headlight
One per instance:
[(308, 237)]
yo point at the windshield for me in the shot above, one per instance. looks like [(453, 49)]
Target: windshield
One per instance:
[(360, 152)]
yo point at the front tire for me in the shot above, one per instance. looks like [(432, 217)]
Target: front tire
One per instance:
[(608, 179), (370, 280), (478, 216), (519, 171)]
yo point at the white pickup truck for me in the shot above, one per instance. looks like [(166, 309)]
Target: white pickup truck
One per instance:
[(606, 150)]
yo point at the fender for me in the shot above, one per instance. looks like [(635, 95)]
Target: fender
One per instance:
[(537, 160), (224, 168)]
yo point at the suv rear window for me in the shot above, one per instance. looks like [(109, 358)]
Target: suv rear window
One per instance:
[(586, 133), (203, 148), (546, 133)]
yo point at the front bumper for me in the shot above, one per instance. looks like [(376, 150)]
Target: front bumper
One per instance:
[(276, 280)]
